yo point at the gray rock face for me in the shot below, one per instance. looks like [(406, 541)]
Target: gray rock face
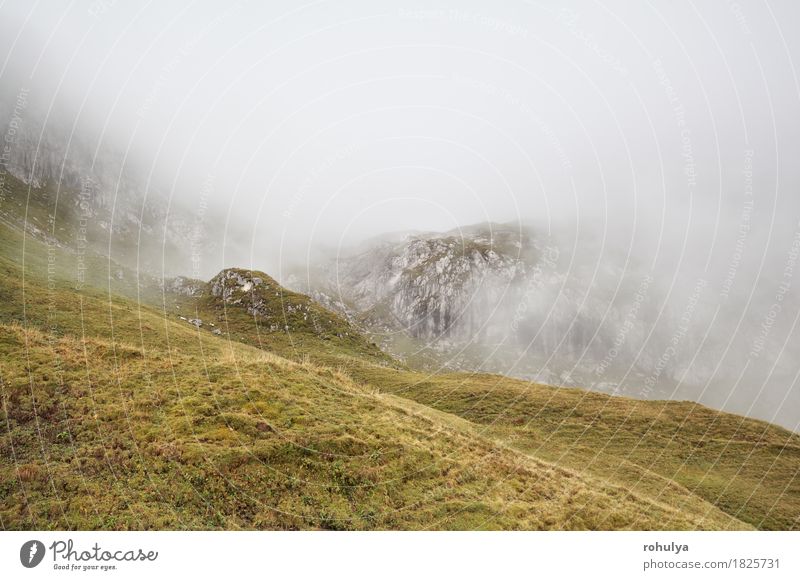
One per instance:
[(493, 298), (439, 287), (101, 191), (432, 287), (496, 299), (184, 286), (232, 285), (240, 288)]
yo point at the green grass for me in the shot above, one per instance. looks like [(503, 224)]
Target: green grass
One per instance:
[(148, 423), (114, 438), (117, 414), (662, 449), (275, 318)]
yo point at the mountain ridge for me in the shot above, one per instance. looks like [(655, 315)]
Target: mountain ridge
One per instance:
[(512, 300), (290, 428)]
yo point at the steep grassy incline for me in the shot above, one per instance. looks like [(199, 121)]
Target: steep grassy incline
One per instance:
[(117, 416), (102, 435), (662, 449), (250, 307), (680, 453)]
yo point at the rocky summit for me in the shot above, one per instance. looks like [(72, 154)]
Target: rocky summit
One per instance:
[(432, 287), (475, 298), (511, 299)]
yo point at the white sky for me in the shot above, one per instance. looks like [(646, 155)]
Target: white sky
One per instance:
[(327, 119)]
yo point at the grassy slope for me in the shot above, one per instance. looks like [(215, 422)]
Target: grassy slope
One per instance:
[(56, 212), (662, 449), (144, 421), (286, 322), (676, 452), (151, 423)]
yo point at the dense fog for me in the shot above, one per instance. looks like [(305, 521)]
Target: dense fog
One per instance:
[(651, 150)]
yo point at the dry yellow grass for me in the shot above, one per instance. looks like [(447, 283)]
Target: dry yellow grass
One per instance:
[(116, 415)]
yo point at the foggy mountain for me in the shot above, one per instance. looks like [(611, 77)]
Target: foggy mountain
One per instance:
[(505, 298), (369, 265), (649, 176), (101, 200)]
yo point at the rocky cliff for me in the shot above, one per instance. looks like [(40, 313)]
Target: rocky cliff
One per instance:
[(494, 297), (76, 192)]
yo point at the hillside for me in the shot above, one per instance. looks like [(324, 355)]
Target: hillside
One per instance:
[(97, 205), (115, 417), (251, 307), (487, 297), (538, 304), (662, 449), (124, 408)]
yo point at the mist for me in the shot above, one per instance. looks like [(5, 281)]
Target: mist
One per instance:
[(641, 140)]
